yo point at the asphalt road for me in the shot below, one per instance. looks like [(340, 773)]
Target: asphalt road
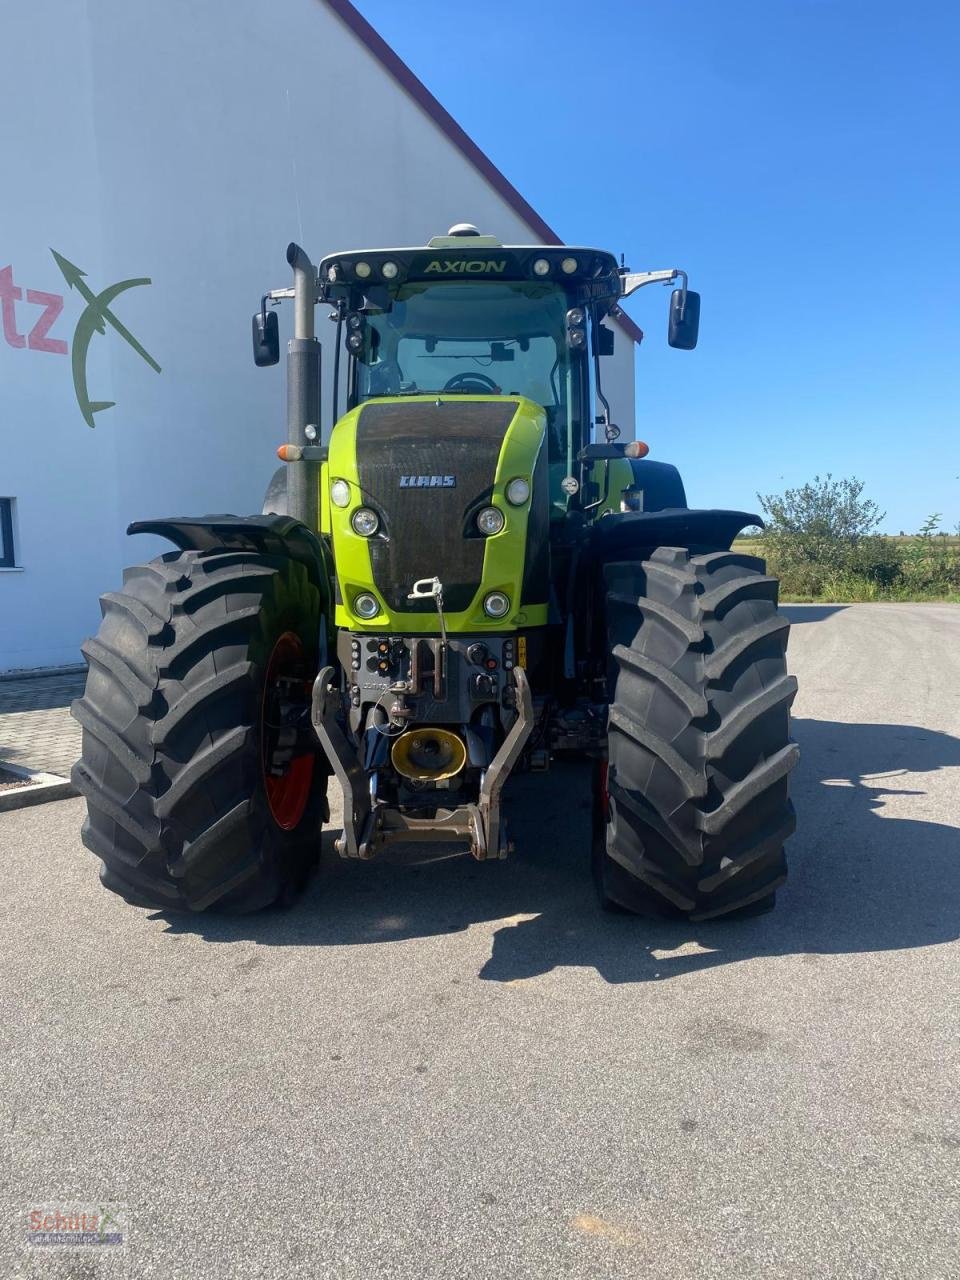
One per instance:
[(440, 1069)]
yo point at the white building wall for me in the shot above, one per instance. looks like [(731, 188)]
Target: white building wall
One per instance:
[(187, 143)]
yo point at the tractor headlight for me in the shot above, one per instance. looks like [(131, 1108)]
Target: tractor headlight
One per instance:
[(576, 333), (340, 493), (365, 521), (363, 270), (541, 267), (355, 342), (390, 270), (496, 604), (518, 491), (568, 266), (366, 605), (490, 520)]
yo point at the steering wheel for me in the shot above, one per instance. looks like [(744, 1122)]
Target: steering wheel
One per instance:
[(470, 381)]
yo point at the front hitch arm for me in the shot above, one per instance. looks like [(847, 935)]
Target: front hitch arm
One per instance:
[(502, 763), (365, 828), (345, 763)]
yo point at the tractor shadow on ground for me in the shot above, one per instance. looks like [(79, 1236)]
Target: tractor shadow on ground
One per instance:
[(810, 612), (860, 881)]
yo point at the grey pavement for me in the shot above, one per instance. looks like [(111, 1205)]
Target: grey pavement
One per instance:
[(432, 1068), (36, 728)]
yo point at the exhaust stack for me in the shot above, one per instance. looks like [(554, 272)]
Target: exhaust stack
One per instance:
[(303, 392)]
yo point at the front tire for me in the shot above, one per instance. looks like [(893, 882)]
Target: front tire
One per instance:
[(692, 809), (202, 781)]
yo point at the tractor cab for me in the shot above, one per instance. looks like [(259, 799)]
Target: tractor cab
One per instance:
[(466, 316)]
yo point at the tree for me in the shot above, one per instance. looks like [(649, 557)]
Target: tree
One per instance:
[(824, 510), (824, 529)]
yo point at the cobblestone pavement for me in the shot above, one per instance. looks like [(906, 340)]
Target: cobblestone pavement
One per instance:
[(36, 728)]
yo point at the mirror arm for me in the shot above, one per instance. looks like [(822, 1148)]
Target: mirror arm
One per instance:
[(273, 297), (633, 280)]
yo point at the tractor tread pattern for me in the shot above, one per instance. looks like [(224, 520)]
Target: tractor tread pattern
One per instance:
[(699, 745), (170, 764)]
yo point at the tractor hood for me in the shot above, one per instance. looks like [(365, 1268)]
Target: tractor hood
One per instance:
[(426, 466)]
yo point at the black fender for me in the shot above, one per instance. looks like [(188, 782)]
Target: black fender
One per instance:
[(631, 535), (271, 535), (660, 482), (275, 501), (634, 536)]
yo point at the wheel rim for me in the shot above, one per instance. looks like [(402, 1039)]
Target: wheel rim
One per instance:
[(287, 793)]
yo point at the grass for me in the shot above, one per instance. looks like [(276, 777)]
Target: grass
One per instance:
[(913, 569)]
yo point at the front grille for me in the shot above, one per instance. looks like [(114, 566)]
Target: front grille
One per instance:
[(428, 527)]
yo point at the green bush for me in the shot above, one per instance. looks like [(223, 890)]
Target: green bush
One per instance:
[(931, 562), (821, 541), (877, 559)]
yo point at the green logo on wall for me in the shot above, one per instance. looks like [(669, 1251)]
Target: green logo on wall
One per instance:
[(94, 319)]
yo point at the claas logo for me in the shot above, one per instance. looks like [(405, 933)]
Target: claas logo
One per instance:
[(428, 482)]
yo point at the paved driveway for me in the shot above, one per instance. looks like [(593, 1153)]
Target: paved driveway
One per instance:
[(36, 728), (439, 1069)]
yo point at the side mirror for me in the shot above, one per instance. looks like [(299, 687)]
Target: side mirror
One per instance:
[(684, 325), (266, 338), (602, 340)]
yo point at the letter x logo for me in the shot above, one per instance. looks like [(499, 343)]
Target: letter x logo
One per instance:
[(94, 319)]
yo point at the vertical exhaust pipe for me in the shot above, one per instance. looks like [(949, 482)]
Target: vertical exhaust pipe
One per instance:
[(303, 391)]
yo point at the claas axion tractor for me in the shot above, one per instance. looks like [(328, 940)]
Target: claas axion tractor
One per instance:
[(461, 583)]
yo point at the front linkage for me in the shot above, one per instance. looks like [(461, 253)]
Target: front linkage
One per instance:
[(369, 824)]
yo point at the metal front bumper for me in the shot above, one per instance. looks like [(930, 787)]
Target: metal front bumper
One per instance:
[(368, 827)]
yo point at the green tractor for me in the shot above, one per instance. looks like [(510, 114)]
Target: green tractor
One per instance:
[(460, 584)]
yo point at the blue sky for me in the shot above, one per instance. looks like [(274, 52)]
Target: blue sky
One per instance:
[(800, 159)]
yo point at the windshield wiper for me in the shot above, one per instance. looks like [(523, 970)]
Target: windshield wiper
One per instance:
[(455, 391)]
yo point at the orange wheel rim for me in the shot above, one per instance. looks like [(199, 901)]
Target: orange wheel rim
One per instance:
[(288, 793)]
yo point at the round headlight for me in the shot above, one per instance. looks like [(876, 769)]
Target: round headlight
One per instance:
[(575, 316), (363, 270), (490, 520), (518, 491), (340, 493), (366, 605), (496, 604), (577, 338), (365, 522), (389, 270), (354, 320), (541, 267), (568, 266)]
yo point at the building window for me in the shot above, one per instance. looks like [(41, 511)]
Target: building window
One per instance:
[(7, 556)]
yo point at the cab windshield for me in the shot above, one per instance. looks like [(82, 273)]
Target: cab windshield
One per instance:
[(504, 338)]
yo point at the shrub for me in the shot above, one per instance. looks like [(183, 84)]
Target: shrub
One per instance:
[(931, 562), (820, 522), (821, 540)]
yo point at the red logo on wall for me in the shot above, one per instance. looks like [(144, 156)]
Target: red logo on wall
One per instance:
[(96, 316), (36, 338)]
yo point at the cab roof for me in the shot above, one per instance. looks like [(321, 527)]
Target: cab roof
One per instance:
[(590, 274)]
